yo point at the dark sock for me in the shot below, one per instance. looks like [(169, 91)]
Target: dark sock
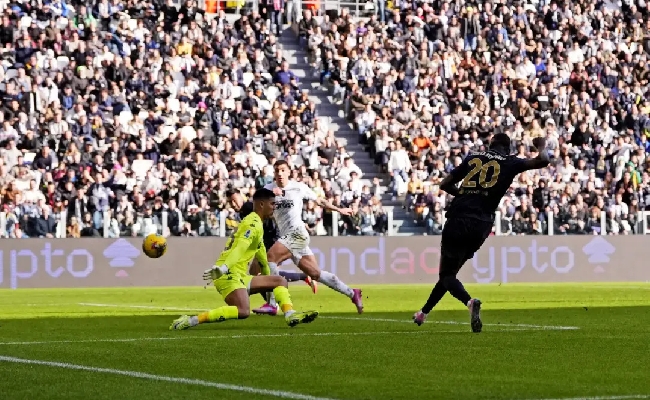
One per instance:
[(293, 276), (265, 296), (436, 295), (456, 288)]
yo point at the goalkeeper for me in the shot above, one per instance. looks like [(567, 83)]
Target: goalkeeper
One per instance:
[(230, 273)]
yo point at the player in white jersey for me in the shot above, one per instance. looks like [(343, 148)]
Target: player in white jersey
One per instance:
[(294, 237)]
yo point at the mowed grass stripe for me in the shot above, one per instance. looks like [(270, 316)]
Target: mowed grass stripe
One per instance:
[(162, 378), (172, 308), (621, 397), (248, 336)]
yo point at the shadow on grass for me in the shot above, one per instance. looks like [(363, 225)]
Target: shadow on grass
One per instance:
[(140, 325)]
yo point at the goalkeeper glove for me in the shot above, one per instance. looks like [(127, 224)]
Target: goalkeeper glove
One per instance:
[(215, 272)]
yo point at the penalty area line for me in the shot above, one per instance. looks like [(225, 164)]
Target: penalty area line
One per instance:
[(507, 325), (162, 378)]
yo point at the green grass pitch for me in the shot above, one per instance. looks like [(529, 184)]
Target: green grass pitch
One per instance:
[(586, 341)]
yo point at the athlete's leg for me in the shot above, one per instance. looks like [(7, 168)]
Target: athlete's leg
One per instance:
[(278, 253), (255, 270), (279, 286), (238, 307), (461, 238), (292, 276), (451, 259), (307, 264)]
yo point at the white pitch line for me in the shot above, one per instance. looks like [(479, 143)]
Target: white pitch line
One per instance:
[(622, 397), (143, 307), (218, 337), (222, 337), (162, 378), (540, 327)]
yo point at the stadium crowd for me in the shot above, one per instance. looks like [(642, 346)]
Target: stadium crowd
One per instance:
[(430, 81), (114, 112), (117, 115)]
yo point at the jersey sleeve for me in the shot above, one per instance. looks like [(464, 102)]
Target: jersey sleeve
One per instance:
[(261, 257), (308, 193), (460, 172), (517, 165), (248, 234)]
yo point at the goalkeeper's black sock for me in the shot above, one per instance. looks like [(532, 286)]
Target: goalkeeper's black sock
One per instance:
[(293, 276), (265, 296)]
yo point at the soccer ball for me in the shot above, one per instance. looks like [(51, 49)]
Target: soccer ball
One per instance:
[(154, 245)]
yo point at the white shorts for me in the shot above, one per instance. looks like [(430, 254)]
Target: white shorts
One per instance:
[(297, 242)]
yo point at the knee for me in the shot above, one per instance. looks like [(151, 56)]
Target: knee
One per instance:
[(312, 272), (280, 281), (243, 313), (446, 279)]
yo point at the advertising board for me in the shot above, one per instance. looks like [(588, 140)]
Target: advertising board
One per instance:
[(68, 263)]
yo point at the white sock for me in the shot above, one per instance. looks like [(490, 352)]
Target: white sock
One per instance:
[(272, 301), (333, 282), (194, 320), (289, 313)]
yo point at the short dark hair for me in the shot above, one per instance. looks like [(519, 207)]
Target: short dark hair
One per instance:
[(245, 209), (280, 163), (232, 192), (263, 194), (500, 141)]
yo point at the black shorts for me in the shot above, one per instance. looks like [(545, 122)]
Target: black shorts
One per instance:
[(461, 238), (268, 243)]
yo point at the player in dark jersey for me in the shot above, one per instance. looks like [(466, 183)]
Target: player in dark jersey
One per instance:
[(270, 237), (484, 179)]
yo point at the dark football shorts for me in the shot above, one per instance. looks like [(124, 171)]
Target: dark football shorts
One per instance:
[(268, 243), (461, 238)]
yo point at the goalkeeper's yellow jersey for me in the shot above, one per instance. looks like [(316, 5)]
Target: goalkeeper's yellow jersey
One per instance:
[(244, 244)]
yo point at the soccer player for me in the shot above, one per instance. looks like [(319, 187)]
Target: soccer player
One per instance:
[(485, 177), (230, 273), (294, 238), (270, 237)]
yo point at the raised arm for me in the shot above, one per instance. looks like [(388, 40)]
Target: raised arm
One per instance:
[(542, 160), (309, 194)]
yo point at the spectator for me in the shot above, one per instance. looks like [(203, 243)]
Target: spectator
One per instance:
[(429, 82)]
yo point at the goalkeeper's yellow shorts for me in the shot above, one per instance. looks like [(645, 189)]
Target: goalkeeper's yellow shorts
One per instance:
[(228, 283)]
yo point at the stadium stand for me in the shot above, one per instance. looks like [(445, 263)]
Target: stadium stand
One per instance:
[(437, 78), (126, 118)]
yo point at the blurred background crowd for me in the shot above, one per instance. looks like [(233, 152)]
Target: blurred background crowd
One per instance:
[(123, 118), (432, 80)]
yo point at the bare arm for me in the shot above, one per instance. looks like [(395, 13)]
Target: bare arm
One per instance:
[(326, 204)]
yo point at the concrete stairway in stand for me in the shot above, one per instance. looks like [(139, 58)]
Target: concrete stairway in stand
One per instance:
[(333, 115)]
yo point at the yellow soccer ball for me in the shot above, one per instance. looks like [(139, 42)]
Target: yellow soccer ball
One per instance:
[(154, 245)]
